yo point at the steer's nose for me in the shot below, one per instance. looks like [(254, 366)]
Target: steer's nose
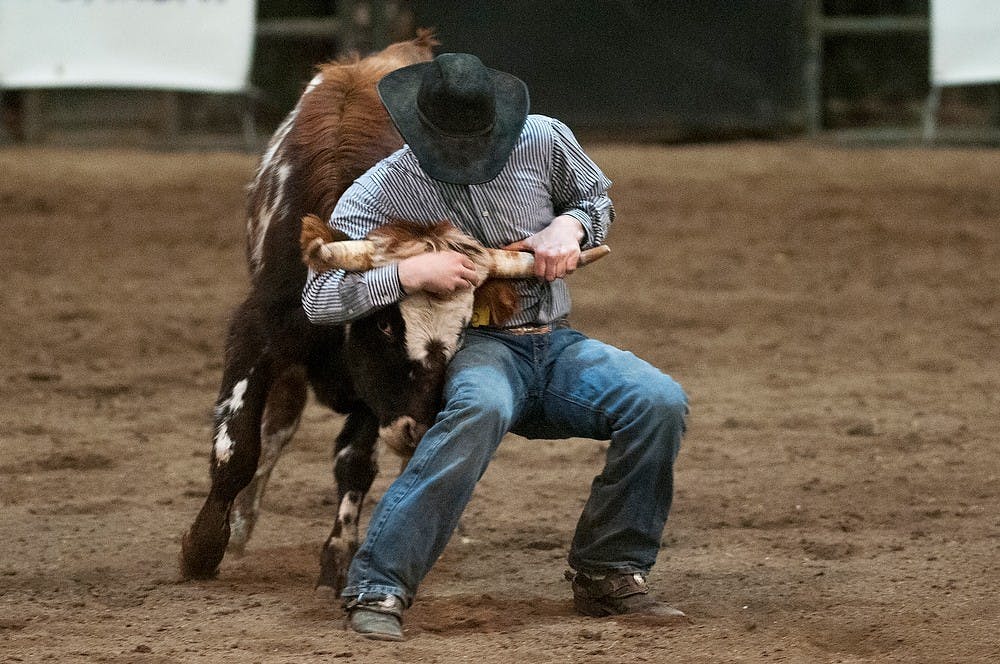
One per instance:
[(414, 432), (403, 435)]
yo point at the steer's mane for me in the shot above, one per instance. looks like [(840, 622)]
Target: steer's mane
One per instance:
[(409, 238), (399, 239)]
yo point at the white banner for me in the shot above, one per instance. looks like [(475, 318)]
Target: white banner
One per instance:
[(965, 42), (203, 45)]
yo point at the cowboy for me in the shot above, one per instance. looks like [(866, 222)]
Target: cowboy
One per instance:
[(474, 156)]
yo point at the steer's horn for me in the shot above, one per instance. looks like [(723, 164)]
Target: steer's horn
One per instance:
[(321, 250), (521, 264)]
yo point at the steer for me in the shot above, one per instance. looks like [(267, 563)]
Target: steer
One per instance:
[(336, 131), (384, 371)]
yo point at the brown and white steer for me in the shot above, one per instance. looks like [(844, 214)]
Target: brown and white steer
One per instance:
[(383, 371), (337, 130)]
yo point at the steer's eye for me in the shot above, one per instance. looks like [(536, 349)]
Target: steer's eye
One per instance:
[(386, 328)]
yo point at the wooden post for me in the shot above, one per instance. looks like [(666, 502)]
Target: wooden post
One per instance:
[(4, 134), (169, 120), (993, 99), (249, 122), (820, 27), (31, 115), (813, 74), (930, 113)]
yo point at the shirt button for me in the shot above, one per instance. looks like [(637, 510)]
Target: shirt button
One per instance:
[(486, 213)]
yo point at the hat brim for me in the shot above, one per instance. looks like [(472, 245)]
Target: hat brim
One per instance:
[(447, 157)]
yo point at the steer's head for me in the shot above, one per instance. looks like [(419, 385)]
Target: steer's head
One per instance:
[(398, 355), (402, 387)]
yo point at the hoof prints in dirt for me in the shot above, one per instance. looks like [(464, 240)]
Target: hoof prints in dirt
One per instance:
[(485, 613), (829, 550), (59, 461)]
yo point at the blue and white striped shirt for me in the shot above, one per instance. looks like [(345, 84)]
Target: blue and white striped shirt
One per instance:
[(547, 174)]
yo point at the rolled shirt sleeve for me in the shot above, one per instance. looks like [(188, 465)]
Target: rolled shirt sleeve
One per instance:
[(579, 187), (335, 297)]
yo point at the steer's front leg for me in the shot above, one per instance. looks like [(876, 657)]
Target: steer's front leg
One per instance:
[(354, 470)]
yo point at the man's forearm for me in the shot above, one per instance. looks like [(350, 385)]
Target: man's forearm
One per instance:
[(336, 297)]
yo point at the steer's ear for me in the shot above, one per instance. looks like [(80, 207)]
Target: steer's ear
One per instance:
[(499, 298), (315, 233), (313, 228)]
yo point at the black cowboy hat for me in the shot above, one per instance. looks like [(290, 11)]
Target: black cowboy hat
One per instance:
[(460, 118)]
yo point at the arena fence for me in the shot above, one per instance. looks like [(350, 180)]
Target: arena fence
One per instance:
[(638, 71)]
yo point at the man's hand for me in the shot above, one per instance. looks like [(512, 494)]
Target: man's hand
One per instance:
[(556, 248), (438, 272)]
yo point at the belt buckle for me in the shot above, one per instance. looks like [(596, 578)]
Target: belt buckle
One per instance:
[(524, 330)]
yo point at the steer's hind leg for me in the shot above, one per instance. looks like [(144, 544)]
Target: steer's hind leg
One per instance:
[(354, 470), (235, 450), (285, 402)]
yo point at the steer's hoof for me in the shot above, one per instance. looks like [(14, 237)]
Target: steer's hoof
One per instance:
[(196, 562), (204, 544), (334, 561)]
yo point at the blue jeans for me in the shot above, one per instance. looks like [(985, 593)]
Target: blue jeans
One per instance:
[(556, 385)]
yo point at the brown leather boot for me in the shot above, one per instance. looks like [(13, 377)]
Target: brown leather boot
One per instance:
[(618, 594)]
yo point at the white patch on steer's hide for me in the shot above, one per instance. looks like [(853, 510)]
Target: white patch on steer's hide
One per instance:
[(431, 319), (225, 410), (260, 219), (271, 445), (350, 508), (263, 222), (239, 531), (235, 400), (316, 80), (282, 171), (276, 140), (223, 444)]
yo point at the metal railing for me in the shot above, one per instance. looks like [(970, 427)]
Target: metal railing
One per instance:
[(822, 27)]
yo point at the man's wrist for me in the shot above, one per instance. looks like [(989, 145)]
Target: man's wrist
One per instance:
[(582, 221), (573, 224), (408, 283), (402, 287)]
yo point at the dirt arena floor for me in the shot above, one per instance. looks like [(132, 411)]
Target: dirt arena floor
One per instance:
[(834, 314)]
